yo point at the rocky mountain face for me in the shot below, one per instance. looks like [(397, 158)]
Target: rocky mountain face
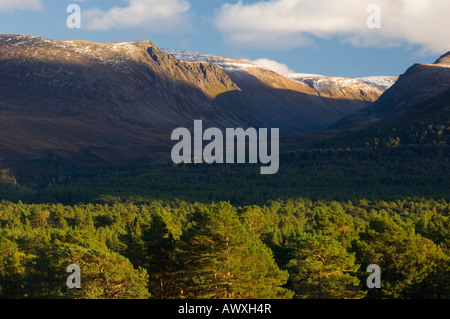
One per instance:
[(419, 84), (332, 97), (114, 102), (346, 91)]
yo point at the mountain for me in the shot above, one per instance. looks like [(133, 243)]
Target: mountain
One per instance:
[(340, 95), (346, 90), (116, 102), (421, 85)]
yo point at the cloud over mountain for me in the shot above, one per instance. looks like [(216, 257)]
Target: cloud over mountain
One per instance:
[(157, 15), (272, 65), (297, 23)]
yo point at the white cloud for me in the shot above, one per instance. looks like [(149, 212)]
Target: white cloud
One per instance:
[(272, 65), (156, 15), (295, 23), (7, 5)]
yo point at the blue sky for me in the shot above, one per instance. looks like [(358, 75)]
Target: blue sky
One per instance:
[(307, 36)]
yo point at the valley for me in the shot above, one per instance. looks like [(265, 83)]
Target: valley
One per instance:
[(86, 177)]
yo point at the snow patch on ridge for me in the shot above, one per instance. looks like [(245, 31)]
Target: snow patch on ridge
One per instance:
[(321, 81), (224, 63), (381, 82), (316, 80)]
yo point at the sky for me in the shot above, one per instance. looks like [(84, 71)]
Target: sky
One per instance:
[(350, 38)]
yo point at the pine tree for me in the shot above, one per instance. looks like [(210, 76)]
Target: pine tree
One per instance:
[(135, 246), (12, 270), (104, 274), (225, 259), (410, 264), (320, 267), (161, 259), (334, 224)]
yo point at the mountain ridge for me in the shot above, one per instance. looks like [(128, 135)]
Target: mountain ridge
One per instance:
[(419, 83), (112, 103)]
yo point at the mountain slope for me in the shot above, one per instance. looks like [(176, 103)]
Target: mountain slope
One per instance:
[(420, 83), (339, 96), (114, 102), (346, 90)]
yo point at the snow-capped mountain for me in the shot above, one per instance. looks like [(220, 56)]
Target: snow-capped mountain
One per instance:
[(420, 86), (224, 63), (329, 88), (115, 102), (323, 82), (316, 81), (381, 82), (335, 84)]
